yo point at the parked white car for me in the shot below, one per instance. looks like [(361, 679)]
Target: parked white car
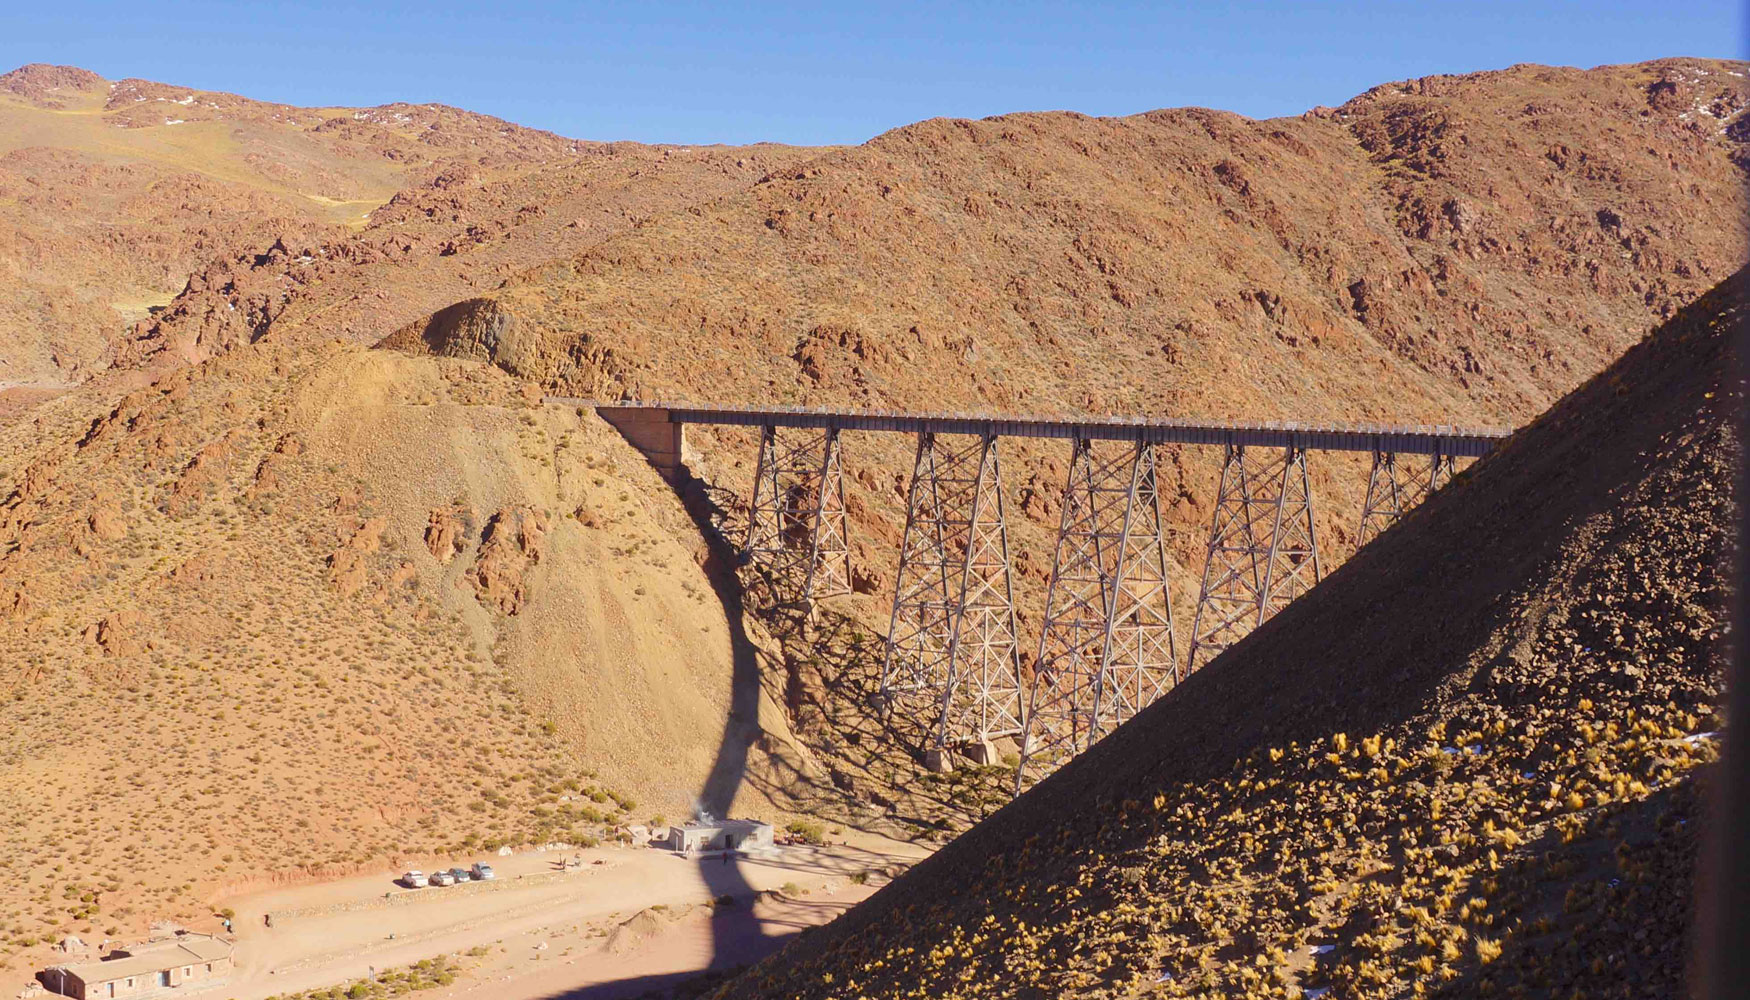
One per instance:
[(414, 879), (483, 872), (442, 878)]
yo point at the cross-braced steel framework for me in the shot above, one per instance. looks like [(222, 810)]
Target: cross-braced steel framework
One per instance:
[(797, 533), (951, 646), (1392, 490), (1106, 650), (1107, 645), (1263, 551)]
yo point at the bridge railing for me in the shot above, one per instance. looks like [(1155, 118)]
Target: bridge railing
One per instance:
[(1442, 439)]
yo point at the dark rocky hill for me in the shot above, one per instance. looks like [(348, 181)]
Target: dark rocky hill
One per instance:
[(1465, 765)]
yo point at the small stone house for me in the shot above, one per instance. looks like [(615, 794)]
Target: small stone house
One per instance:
[(720, 835), (144, 970)]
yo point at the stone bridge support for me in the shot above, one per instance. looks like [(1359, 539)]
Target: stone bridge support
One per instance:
[(651, 430)]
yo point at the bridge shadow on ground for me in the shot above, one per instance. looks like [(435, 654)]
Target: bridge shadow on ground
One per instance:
[(738, 935), (872, 775), (873, 778)]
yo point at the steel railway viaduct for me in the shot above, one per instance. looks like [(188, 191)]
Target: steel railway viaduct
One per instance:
[(1106, 648)]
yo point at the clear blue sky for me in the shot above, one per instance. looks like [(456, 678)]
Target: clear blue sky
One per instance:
[(740, 72)]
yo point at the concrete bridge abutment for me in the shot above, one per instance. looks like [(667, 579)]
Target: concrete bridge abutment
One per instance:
[(653, 431)]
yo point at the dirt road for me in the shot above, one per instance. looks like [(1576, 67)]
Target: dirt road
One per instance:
[(544, 931)]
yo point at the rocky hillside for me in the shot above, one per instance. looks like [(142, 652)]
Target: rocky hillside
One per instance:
[(140, 218), (1478, 244), (1480, 780), (250, 564), (1445, 250), (290, 613)]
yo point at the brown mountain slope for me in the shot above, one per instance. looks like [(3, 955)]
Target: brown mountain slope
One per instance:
[(455, 235), (298, 610), (113, 194), (1464, 765), (1447, 250), (1479, 243)]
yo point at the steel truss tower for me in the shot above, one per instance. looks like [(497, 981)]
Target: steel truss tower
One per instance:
[(951, 644), (797, 533), (1391, 492), (1106, 650), (1263, 551)]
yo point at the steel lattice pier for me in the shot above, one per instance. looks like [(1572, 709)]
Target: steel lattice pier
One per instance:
[(952, 646), (1263, 551), (1392, 491), (797, 534), (1106, 649)]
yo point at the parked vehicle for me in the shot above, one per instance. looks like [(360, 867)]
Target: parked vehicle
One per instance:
[(414, 879), (461, 875), (442, 878), (483, 872)]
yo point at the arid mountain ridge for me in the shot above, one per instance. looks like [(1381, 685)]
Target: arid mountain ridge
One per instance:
[(272, 544), (1489, 239), (123, 196), (1456, 250)]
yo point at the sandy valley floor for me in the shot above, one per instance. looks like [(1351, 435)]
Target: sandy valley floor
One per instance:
[(623, 922)]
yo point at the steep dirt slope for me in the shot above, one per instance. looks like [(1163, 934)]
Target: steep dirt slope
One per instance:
[(1464, 765), (113, 193), (295, 611), (1449, 250)]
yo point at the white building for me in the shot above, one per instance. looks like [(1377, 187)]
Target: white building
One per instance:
[(190, 960), (703, 837)]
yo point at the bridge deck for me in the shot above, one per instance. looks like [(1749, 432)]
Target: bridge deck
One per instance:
[(1463, 442)]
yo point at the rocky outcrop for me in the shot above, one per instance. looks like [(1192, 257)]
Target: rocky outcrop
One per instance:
[(349, 565), (511, 544), (267, 474), (105, 521), (203, 475), (49, 86), (481, 330), (446, 533), (116, 634)]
